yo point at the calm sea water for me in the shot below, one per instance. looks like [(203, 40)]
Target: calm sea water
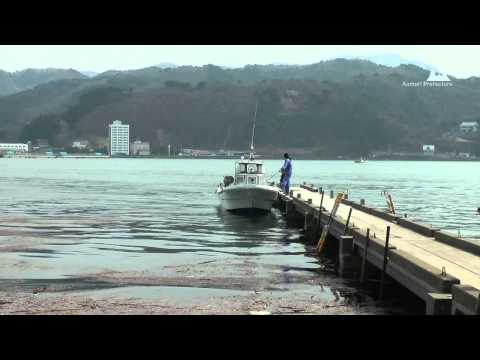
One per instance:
[(104, 215)]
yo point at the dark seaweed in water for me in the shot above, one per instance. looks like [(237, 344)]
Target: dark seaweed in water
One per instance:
[(127, 223)]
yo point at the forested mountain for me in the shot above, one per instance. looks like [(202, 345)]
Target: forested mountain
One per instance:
[(340, 107), (11, 83)]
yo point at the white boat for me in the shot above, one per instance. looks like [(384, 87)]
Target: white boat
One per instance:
[(248, 191), (361, 160)]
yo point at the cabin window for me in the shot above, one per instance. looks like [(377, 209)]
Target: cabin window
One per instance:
[(252, 168), (240, 180), (242, 168), (252, 180)]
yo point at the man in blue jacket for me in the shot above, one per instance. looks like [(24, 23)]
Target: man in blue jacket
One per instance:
[(286, 171)]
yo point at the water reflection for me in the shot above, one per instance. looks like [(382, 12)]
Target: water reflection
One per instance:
[(245, 224)]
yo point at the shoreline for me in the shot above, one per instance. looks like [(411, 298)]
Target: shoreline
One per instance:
[(236, 158), (253, 303)]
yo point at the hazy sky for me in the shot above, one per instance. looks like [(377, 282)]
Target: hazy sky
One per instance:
[(457, 60)]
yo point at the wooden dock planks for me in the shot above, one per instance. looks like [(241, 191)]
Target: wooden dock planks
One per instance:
[(458, 263)]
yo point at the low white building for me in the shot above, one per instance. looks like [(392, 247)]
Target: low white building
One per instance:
[(464, 155), (469, 126), (428, 149), (80, 144), (16, 147), (196, 152), (140, 148)]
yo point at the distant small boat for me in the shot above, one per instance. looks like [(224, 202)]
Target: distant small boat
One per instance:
[(361, 160)]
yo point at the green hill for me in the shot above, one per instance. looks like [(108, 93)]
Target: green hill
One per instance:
[(341, 107), (11, 83)]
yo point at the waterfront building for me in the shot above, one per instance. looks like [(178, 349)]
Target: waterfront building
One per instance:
[(429, 150), (80, 144), (140, 148), (469, 126), (14, 147), (197, 153), (232, 153), (119, 136), (464, 155)]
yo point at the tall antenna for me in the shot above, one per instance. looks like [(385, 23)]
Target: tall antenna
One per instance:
[(252, 147)]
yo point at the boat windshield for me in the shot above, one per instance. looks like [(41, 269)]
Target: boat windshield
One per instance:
[(249, 168), (242, 168)]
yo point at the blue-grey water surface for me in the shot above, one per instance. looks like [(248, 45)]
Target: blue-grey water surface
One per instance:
[(149, 215)]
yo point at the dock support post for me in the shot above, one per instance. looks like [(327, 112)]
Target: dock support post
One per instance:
[(348, 221), (321, 201), (385, 260), (308, 221), (439, 304), (309, 227), (288, 207), (477, 307), (364, 259), (345, 254), (293, 217)]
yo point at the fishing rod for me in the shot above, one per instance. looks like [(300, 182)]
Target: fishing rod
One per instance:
[(273, 175)]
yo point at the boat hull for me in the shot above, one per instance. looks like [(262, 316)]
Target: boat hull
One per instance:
[(248, 199)]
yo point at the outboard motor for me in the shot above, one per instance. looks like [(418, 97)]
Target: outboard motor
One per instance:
[(228, 180)]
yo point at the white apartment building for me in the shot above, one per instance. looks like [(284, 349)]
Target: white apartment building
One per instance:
[(14, 147), (119, 135)]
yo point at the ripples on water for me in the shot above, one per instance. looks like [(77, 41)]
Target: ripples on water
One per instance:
[(124, 209), (444, 194), (133, 214)]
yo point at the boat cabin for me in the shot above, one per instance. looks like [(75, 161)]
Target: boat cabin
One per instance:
[(249, 172)]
